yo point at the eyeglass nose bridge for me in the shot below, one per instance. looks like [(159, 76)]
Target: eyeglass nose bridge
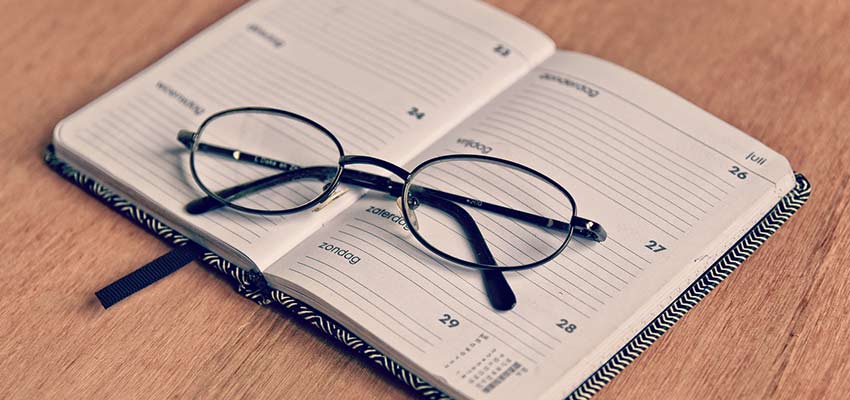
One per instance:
[(367, 160)]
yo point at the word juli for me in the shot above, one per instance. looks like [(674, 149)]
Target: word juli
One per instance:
[(756, 159)]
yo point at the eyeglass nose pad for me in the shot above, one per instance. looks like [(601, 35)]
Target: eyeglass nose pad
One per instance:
[(335, 195), (414, 203)]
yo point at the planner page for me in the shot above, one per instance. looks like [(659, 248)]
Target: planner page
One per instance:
[(386, 77), (673, 186)]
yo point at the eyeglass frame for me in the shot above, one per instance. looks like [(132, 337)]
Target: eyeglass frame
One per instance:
[(584, 227)]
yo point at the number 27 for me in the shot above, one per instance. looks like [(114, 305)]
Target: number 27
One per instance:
[(655, 246)]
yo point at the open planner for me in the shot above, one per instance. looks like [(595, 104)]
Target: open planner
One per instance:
[(683, 196)]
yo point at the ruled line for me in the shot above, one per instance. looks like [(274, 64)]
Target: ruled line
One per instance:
[(665, 122), (358, 306), (551, 156), (438, 287), (547, 96), (490, 229), (358, 293), (413, 249), (603, 147)]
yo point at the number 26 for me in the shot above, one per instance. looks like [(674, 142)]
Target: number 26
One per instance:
[(738, 172)]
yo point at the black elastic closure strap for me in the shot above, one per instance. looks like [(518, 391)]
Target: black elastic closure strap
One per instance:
[(148, 274)]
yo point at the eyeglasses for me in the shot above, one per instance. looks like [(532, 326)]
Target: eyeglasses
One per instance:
[(460, 207)]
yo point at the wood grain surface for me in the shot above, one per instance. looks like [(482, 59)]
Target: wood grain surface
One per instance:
[(776, 328)]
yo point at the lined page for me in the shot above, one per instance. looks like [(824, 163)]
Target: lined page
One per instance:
[(672, 185), (386, 77)]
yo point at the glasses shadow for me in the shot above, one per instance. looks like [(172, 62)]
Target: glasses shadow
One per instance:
[(178, 157)]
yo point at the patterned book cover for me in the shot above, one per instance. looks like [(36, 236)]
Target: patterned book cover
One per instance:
[(254, 287)]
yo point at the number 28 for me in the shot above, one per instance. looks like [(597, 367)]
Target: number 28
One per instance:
[(566, 326)]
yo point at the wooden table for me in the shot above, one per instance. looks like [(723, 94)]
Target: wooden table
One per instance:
[(778, 327)]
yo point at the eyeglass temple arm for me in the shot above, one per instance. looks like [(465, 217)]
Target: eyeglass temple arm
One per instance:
[(581, 226), (209, 203), (188, 140), (496, 287)]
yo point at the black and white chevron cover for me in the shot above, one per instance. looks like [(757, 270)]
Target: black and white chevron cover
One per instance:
[(733, 257), (253, 286)]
